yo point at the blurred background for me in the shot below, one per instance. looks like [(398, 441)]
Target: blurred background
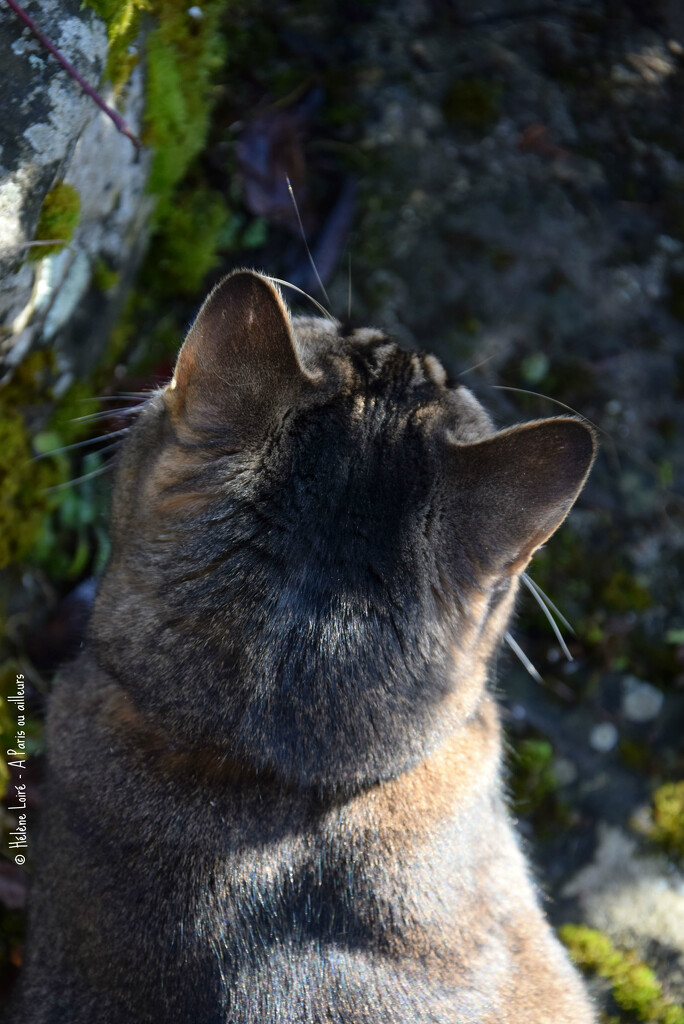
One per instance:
[(499, 182)]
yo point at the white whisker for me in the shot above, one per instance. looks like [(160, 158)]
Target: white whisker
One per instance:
[(286, 284), (306, 244), (549, 616), (476, 366), (81, 444), (79, 479), (548, 398), (106, 414), (549, 603), (517, 650), (141, 396)]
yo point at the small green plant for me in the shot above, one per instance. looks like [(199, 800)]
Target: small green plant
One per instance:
[(635, 987), (73, 538)]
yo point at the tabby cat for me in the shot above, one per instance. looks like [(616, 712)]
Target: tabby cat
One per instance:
[(274, 778)]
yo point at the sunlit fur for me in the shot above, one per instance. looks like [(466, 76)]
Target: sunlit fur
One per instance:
[(274, 772)]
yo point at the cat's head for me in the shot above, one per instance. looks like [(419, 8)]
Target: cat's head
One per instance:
[(316, 542)]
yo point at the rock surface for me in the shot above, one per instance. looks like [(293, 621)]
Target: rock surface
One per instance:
[(51, 131)]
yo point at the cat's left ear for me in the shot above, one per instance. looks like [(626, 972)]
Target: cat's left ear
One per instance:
[(510, 492), (240, 359)]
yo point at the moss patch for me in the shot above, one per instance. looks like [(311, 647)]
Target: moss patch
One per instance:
[(183, 54), (122, 18), (58, 219), (104, 277), (533, 777), (668, 817), (23, 481), (534, 787), (185, 248), (635, 987), (39, 525)]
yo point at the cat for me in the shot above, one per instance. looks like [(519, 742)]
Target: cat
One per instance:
[(274, 772)]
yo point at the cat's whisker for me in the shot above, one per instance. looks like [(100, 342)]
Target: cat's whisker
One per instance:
[(105, 414), (306, 244), (556, 401), (81, 479), (545, 597), (518, 651), (287, 284), (552, 622), (476, 366), (142, 396), (81, 444)]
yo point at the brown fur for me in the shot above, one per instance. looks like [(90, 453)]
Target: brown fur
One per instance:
[(274, 773)]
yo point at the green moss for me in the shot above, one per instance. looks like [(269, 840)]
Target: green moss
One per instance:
[(668, 817), (58, 219), (474, 103), (532, 778), (38, 525), (23, 481), (104, 277), (183, 54), (635, 987), (122, 18), (185, 248)]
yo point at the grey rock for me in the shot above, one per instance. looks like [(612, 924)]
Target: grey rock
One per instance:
[(641, 702), (637, 899), (51, 131)]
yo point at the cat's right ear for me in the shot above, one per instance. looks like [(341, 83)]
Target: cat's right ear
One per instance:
[(239, 360), (511, 491)]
